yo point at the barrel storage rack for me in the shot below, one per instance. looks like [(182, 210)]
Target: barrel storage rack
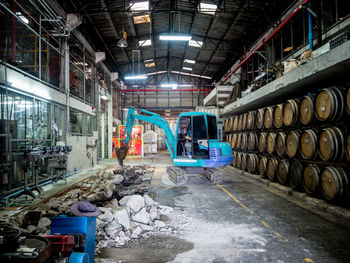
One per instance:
[(303, 142)]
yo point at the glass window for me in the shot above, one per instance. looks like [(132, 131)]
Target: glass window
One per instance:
[(76, 122), (199, 128), (212, 128)]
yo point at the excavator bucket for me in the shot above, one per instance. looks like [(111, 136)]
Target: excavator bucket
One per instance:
[(121, 154)]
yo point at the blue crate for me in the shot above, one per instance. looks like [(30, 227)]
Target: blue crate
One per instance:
[(77, 225)]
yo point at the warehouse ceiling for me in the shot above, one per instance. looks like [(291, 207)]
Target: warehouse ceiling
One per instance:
[(220, 32)]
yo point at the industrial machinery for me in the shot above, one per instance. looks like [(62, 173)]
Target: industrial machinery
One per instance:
[(194, 149)]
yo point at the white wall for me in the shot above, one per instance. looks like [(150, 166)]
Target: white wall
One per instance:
[(78, 158)]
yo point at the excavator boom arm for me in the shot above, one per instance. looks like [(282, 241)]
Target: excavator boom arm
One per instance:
[(151, 118)]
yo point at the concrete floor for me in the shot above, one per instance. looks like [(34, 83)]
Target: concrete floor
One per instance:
[(235, 222)]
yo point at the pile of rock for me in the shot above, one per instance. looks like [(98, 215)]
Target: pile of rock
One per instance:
[(132, 217)]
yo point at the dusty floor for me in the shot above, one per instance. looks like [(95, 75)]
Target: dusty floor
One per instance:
[(234, 222)]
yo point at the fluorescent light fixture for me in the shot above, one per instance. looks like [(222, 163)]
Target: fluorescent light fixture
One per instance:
[(139, 6), (22, 17), (136, 77), (148, 60), (206, 8), (150, 65), (169, 85), (156, 72), (175, 37), (144, 43), (186, 68), (190, 74), (195, 43), (185, 85), (141, 19), (189, 61)]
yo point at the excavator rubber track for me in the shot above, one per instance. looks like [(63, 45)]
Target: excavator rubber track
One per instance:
[(177, 175), (215, 176)]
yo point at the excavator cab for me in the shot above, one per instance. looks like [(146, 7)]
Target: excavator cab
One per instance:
[(192, 137)]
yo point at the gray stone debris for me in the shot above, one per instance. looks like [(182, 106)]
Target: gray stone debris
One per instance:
[(135, 203), (106, 215), (148, 200), (159, 224), (122, 217), (113, 229), (124, 200), (141, 217), (43, 225), (165, 210)]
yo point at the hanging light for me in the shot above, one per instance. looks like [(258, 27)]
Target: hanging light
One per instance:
[(122, 41)]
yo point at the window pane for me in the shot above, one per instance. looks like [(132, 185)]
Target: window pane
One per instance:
[(199, 128), (76, 122), (212, 128)]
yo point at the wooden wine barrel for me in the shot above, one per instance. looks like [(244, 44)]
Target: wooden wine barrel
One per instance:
[(240, 122), (235, 123), (330, 104), (234, 140), (239, 160), (271, 143), (292, 143), (334, 182), (262, 142), (283, 171), (251, 120), (252, 141), (271, 168), (281, 143), (311, 178), (295, 174), (268, 117), (332, 144), (262, 165), (260, 118), (252, 162), (244, 161), (239, 140), (290, 112), (348, 101), (226, 124), (308, 144), (244, 121), (234, 160), (244, 142), (307, 109), (347, 148), (277, 116)]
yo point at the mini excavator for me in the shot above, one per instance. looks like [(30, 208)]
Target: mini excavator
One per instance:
[(194, 149)]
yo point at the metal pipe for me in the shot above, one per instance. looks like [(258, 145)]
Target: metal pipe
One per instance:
[(310, 28), (264, 41), (13, 33), (165, 90)]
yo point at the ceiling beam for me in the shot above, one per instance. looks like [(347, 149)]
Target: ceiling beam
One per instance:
[(233, 24)]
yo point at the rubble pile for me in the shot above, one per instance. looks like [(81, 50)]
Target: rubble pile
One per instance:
[(127, 212)]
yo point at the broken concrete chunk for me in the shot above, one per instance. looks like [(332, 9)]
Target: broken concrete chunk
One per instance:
[(117, 179), (142, 217), (31, 228), (153, 213), (100, 223), (148, 200), (113, 229), (107, 215), (165, 210), (91, 198), (159, 224), (135, 203), (43, 225), (122, 217), (145, 178), (124, 200), (145, 227)]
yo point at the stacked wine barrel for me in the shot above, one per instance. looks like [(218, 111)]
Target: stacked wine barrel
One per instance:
[(303, 142)]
